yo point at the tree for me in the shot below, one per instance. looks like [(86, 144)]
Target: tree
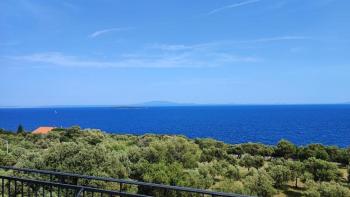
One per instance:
[(334, 153), (257, 149), (174, 149), (192, 178), (163, 173), (259, 183), (249, 161), (71, 133), (236, 150), (228, 185), (285, 149), (322, 170), (212, 149), (85, 159), (280, 174), (297, 169), (218, 168), (343, 156), (313, 150), (7, 159), (328, 189), (20, 129), (233, 173)]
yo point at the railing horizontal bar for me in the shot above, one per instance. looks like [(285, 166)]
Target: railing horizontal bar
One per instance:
[(68, 186), (130, 182)]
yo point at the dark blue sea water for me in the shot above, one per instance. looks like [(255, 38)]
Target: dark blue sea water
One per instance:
[(301, 124)]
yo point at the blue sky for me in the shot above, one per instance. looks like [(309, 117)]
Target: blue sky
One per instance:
[(111, 52)]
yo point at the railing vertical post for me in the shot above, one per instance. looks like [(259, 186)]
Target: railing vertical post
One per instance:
[(165, 192), (50, 185), (22, 188), (2, 187), (15, 193), (9, 187), (28, 191), (35, 191)]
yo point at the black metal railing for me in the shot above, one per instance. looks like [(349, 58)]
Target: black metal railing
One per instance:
[(30, 182)]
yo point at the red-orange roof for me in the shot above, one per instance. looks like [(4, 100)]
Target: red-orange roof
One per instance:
[(42, 130)]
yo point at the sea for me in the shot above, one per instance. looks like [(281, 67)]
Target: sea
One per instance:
[(300, 124)]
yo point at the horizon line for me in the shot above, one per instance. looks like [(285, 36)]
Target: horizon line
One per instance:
[(165, 105)]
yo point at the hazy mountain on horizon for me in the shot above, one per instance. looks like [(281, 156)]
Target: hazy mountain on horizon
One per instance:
[(164, 104)]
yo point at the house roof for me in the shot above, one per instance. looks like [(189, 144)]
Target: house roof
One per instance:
[(42, 130)]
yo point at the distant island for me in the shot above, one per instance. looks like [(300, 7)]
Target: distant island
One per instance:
[(164, 104)]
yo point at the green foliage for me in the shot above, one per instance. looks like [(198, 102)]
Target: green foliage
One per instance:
[(249, 161), (171, 150), (162, 173), (296, 169), (177, 160), (232, 173), (192, 178), (342, 156), (285, 149), (84, 159), (232, 186), (281, 174), (322, 170), (313, 150), (7, 159), (327, 189), (259, 183), (256, 149), (213, 150)]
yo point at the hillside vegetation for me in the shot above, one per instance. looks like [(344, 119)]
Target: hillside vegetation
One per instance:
[(250, 168)]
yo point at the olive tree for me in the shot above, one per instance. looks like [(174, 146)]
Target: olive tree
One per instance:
[(280, 174), (322, 170), (249, 161), (259, 183)]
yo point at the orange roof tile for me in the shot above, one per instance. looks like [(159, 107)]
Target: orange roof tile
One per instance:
[(42, 130)]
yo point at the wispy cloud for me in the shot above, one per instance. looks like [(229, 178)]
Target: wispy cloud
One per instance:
[(225, 43), (278, 38), (188, 59), (202, 55), (235, 5), (105, 31)]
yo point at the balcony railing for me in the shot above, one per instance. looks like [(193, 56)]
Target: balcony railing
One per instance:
[(44, 183)]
